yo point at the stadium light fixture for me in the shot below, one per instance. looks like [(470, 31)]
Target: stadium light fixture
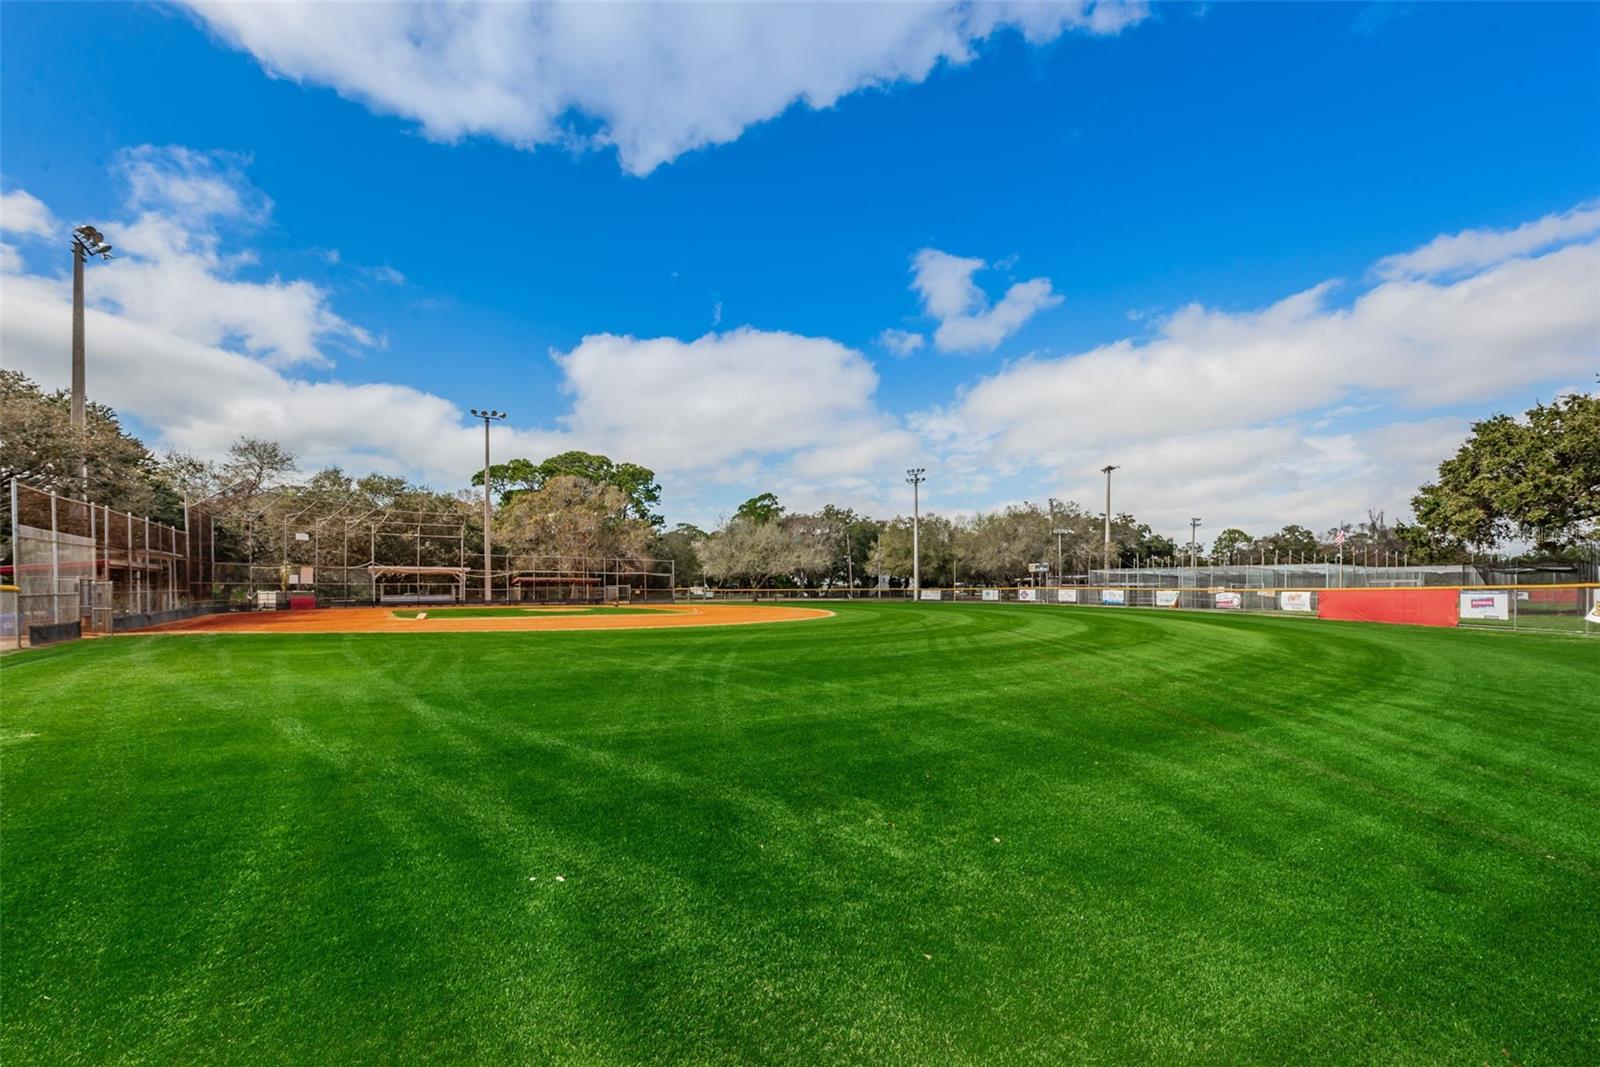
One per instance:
[(488, 415), (914, 477), (86, 242), (1194, 545)]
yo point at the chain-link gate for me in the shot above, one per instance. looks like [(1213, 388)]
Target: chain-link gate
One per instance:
[(95, 606)]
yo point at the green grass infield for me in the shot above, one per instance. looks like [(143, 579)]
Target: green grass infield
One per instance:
[(904, 834)]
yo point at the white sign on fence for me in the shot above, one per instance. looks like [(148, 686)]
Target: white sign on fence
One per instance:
[(1594, 611), (1113, 596), (991, 594), (1066, 596), (1166, 598), (1294, 600), (1230, 600), (928, 594), (1028, 594), (1493, 605)]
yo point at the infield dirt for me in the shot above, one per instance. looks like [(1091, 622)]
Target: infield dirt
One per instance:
[(384, 620)]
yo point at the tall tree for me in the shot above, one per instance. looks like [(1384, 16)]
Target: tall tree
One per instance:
[(572, 516), (1228, 543), (680, 545), (1536, 477), (1293, 541), (760, 509), (40, 446), (758, 553), (641, 492)]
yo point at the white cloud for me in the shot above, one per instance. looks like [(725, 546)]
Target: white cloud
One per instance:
[(901, 343), (22, 214), (1472, 250), (193, 187), (739, 401), (172, 270), (385, 275), (1261, 478), (1426, 343), (652, 80), (967, 321), (200, 397), (1307, 410), (1240, 411), (710, 401)]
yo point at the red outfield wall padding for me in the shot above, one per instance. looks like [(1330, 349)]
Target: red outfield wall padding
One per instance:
[(1419, 607)]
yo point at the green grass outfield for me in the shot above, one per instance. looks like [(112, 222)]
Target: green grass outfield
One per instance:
[(909, 833)]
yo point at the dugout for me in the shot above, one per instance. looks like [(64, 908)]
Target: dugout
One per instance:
[(418, 585)]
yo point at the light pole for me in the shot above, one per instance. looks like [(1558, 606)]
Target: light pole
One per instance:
[(86, 241), (914, 476), (849, 563), (1106, 470), (488, 416), (1060, 575), (1194, 524)]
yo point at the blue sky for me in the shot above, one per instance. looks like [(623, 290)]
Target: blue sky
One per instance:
[(1187, 229)]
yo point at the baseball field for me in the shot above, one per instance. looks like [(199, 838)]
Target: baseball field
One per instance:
[(897, 833)]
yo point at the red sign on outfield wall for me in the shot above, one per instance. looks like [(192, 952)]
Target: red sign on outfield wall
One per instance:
[(1418, 607)]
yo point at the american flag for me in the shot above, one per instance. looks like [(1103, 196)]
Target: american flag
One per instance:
[(1338, 539)]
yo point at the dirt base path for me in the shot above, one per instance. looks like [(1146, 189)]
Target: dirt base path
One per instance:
[(384, 621)]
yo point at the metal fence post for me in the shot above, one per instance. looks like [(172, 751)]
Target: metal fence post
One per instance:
[(55, 564)]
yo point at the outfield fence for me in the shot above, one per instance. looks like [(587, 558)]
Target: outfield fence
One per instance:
[(1568, 607)]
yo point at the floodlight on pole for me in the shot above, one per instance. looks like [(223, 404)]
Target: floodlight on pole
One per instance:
[(914, 477), (1106, 470), (1194, 545), (86, 242), (488, 415), (1059, 535)]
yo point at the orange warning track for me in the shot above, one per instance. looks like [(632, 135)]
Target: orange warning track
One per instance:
[(384, 621)]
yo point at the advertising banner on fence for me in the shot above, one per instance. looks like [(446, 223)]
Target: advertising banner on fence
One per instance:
[(1166, 598), (1113, 596), (1294, 600), (1479, 605), (1066, 596), (991, 594), (928, 594), (1594, 610), (1230, 600), (1028, 594)]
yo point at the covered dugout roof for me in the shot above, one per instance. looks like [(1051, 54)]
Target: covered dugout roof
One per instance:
[(387, 571)]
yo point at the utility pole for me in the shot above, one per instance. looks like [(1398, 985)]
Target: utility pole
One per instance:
[(914, 476), (1194, 545), (488, 415), (1060, 576), (849, 563), (1106, 470)]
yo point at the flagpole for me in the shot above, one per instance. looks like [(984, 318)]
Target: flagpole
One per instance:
[(1340, 539)]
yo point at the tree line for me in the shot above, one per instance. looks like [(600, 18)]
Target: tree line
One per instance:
[(1533, 479)]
